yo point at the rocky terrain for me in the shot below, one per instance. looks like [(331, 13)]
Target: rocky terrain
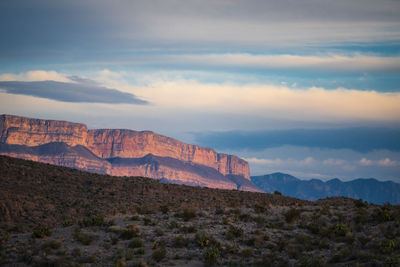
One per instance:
[(121, 153), (56, 216)]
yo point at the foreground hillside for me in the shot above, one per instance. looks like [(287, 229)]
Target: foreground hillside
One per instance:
[(33, 193), (370, 190), (72, 218)]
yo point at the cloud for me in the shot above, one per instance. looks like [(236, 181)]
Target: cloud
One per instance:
[(69, 92), (317, 104), (306, 162), (35, 75), (385, 162), (330, 62), (363, 139), (191, 25), (365, 162)]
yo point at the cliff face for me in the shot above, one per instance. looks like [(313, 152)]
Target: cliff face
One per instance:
[(33, 132), (133, 144), (92, 149)]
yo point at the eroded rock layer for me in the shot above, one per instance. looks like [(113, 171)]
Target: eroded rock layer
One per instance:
[(121, 152)]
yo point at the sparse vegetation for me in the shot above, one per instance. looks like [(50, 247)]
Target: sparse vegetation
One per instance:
[(211, 255), (159, 254), (292, 215), (234, 229), (41, 231)]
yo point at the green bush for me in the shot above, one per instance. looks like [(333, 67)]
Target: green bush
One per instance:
[(211, 255), (259, 208), (358, 203), (188, 214), (67, 222), (41, 231), (203, 239), (180, 241), (52, 244), (388, 246), (159, 254), (164, 209), (130, 232), (97, 220), (292, 215), (234, 232), (158, 231), (340, 229), (136, 243), (276, 192), (189, 229), (135, 218), (83, 238)]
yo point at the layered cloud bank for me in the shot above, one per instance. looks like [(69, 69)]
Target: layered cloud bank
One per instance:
[(261, 100)]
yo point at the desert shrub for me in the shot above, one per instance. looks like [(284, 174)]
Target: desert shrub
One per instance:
[(52, 244), (164, 209), (96, 220), (361, 216), (147, 221), (259, 208), (260, 220), (83, 238), (203, 239), (41, 231), (255, 241), (189, 229), (358, 203), (158, 231), (211, 255), (387, 246), (135, 218), (245, 217), (276, 192), (234, 232), (76, 252), (188, 214), (159, 254), (174, 224), (311, 262), (130, 232), (292, 215), (66, 223), (139, 251), (180, 241), (383, 214), (136, 243), (61, 252), (340, 229), (391, 262), (247, 252)]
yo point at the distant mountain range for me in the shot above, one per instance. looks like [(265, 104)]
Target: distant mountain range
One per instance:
[(370, 190)]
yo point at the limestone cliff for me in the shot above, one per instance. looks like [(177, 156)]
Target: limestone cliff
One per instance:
[(94, 150)]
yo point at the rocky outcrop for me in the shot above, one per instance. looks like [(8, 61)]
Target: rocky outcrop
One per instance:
[(73, 145)]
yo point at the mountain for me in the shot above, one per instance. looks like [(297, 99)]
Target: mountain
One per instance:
[(370, 190), (121, 152)]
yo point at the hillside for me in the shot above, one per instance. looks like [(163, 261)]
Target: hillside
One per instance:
[(370, 190), (121, 152), (56, 216), (33, 193)]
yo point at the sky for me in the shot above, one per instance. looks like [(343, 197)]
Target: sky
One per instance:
[(307, 87)]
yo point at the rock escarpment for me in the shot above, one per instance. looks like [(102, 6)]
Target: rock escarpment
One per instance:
[(121, 152)]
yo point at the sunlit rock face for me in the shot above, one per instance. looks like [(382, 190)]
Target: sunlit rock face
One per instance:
[(121, 153)]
